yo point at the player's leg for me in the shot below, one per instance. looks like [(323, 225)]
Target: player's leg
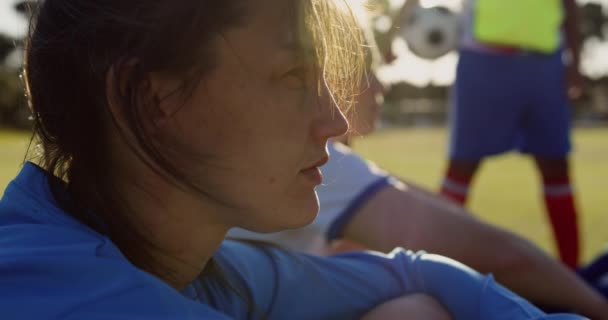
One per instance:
[(484, 115), (458, 178), (547, 135), (560, 205)]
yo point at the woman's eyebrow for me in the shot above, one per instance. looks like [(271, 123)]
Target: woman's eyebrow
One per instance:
[(295, 51), (290, 45)]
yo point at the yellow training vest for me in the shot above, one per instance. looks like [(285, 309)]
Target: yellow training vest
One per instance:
[(529, 24)]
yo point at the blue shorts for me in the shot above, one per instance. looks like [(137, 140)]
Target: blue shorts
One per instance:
[(504, 102)]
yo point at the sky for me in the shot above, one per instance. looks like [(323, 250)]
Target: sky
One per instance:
[(407, 67), (10, 22)]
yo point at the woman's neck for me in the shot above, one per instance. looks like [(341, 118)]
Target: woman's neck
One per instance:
[(181, 230)]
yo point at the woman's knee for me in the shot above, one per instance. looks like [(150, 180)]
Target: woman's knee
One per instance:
[(414, 306)]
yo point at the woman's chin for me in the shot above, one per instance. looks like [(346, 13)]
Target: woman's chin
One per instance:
[(304, 215), (305, 220), (292, 216)]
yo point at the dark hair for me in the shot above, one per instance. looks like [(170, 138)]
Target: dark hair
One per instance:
[(73, 46)]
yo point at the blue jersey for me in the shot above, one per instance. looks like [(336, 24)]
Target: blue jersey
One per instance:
[(53, 267)]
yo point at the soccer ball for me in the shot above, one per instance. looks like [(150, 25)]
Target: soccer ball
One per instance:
[(431, 32)]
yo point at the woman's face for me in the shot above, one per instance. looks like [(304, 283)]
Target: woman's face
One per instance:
[(254, 131)]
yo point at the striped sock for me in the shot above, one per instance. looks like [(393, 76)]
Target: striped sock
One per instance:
[(455, 186), (560, 204)]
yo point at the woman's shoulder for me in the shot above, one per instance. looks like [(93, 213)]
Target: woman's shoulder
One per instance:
[(53, 267), (61, 284), (31, 223)]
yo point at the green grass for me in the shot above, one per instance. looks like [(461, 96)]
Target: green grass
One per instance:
[(506, 191), (13, 145)]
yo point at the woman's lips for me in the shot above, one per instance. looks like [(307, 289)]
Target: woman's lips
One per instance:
[(314, 175)]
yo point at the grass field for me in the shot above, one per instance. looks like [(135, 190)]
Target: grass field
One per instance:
[(12, 149), (506, 191)]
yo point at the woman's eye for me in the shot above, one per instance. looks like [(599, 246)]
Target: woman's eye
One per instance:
[(296, 78)]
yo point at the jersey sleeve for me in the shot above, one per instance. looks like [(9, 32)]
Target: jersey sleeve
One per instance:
[(297, 286), (348, 182)]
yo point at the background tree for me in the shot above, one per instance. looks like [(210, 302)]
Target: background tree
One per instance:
[(13, 108)]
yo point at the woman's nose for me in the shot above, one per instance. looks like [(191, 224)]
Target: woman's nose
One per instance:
[(331, 122)]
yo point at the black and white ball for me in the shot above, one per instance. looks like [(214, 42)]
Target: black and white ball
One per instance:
[(431, 32)]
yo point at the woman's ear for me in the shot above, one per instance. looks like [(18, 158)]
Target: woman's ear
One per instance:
[(130, 92), (113, 97), (166, 94)]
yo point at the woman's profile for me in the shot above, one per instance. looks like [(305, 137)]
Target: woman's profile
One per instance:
[(162, 124)]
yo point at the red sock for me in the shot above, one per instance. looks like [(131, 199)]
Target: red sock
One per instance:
[(455, 186), (559, 201)]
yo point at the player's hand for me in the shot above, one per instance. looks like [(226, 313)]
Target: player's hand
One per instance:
[(389, 57), (575, 83)]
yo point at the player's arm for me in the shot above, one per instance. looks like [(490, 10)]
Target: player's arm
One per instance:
[(572, 32), (404, 13), (418, 220), (573, 47)]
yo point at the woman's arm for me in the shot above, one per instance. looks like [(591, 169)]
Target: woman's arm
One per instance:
[(295, 286), (410, 217)]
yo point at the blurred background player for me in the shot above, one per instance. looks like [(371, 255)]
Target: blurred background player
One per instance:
[(512, 92)]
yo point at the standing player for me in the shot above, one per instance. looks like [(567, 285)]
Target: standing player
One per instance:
[(511, 92)]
